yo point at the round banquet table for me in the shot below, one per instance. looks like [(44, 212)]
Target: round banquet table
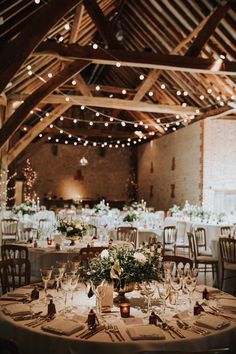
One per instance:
[(36, 340)]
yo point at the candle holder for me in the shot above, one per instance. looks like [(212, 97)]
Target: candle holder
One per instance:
[(49, 241), (125, 310)]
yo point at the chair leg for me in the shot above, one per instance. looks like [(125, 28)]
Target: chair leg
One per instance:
[(222, 279)]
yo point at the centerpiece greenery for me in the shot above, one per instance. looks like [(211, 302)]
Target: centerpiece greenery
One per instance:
[(131, 216), (71, 228), (124, 265), (29, 207), (102, 208)]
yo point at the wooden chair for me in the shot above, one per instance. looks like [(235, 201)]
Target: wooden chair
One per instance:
[(181, 241), (44, 223), (8, 346), (201, 242), (228, 257), (14, 273), (9, 229), (30, 233), (86, 254), (178, 260), (9, 251), (205, 260), (128, 234), (225, 231), (92, 230), (169, 239)]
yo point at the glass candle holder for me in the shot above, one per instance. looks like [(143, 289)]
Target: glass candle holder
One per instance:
[(49, 241), (125, 310)]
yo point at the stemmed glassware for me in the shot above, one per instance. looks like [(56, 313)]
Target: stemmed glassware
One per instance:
[(99, 291), (190, 282), (46, 276), (176, 283), (148, 289), (58, 274), (164, 291), (66, 282), (74, 267)]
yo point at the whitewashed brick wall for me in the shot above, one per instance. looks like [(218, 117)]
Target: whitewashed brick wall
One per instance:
[(184, 145)]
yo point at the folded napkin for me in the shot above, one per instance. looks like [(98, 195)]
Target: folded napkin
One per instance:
[(17, 294), (211, 322), (145, 332), (228, 304), (17, 310), (62, 326)]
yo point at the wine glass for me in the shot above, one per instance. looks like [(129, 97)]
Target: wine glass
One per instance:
[(74, 267), (99, 291), (58, 274), (66, 281), (168, 267), (176, 283), (46, 276), (73, 285), (164, 292), (148, 289), (190, 282)]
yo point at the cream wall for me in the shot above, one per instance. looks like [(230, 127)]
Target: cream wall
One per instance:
[(184, 146), (219, 160), (102, 177)]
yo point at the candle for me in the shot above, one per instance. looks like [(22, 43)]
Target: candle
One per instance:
[(49, 242), (125, 310)]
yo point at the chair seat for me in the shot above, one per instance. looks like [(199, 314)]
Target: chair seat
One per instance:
[(182, 244), (205, 253), (169, 248), (230, 266), (207, 259)]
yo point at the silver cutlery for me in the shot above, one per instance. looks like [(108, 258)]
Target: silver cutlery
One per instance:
[(116, 330), (92, 332), (108, 331)]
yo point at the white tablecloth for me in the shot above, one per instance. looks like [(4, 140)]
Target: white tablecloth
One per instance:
[(35, 340)]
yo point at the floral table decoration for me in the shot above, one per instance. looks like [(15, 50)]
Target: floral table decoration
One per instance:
[(131, 216), (102, 208), (72, 229), (125, 268), (29, 207)]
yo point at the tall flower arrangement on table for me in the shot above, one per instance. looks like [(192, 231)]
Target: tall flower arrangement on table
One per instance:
[(72, 228), (102, 208), (124, 265), (29, 207)]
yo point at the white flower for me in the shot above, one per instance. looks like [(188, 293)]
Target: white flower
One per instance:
[(69, 228), (104, 254), (140, 257)]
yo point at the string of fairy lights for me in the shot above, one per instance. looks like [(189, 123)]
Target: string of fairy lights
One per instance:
[(4, 189), (68, 138)]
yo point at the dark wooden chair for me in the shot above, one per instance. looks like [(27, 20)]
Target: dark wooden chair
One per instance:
[(86, 254), (14, 273), (228, 257), (92, 229), (225, 231), (128, 234), (178, 260), (9, 251)]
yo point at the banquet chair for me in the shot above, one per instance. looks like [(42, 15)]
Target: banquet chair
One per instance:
[(9, 230), (225, 231), (128, 234), (44, 223), (86, 254), (181, 242), (205, 260), (201, 242), (92, 229), (30, 233), (169, 239), (9, 251), (178, 260), (8, 346), (228, 257), (14, 273)]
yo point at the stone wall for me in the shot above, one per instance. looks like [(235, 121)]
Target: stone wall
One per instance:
[(169, 169), (60, 173)]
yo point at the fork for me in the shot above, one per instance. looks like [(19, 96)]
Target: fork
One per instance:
[(116, 330), (108, 331)]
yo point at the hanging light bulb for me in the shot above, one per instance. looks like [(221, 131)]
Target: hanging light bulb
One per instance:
[(83, 161)]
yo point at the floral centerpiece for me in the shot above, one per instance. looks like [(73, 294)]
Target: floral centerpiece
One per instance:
[(29, 207), (190, 211), (102, 208), (71, 228), (123, 266), (138, 206), (131, 216)]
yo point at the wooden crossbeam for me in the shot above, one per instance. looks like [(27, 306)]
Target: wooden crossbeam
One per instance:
[(20, 115), (76, 23), (35, 131), (207, 30), (18, 50), (114, 103), (136, 59)]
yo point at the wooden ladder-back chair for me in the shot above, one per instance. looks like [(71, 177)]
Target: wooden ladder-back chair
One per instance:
[(128, 234), (14, 273), (225, 231), (169, 239), (86, 254), (228, 257), (9, 251), (201, 242), (181, 240), (9, 229)]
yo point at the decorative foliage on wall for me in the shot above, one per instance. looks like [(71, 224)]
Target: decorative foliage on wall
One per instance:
[(172, 193), (30, 178), (132, 187)]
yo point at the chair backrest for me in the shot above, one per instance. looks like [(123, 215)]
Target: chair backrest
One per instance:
[(128, 234), (86, 254), (9, 228), (44, 223), (228, 249), (14, 273), (192, 245), (9, 251), (225, 231), (169, 235), (181, 230), (178, 260), (30, 233), (200, 239), (92, 229)]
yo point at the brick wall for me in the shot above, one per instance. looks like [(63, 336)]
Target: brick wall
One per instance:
[(169, 168), (61, 174)]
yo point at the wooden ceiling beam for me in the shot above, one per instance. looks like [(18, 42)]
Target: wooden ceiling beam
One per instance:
[(20, 115), (19, 49), (207, 30), (76, 23), (35, 131), (114, 103), (136, 59)]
